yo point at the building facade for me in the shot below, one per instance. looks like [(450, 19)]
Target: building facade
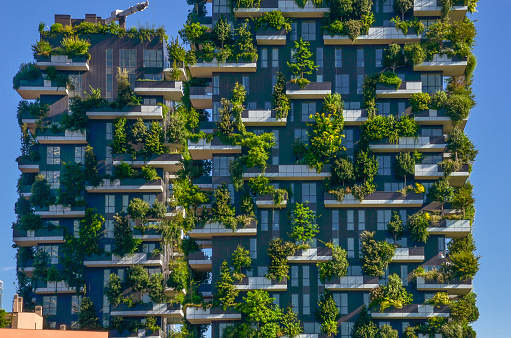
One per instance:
[(309, 151)]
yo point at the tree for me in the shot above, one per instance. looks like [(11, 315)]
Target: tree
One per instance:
[(137, 278), (376, 256), (221, 208), (154, 143), (366, 166), (262, 312), (337, 267), (442, 192), (113, 290), (364, 326), (156, 288), (41, 195), (463, 198), (393, 56), (327, 314), (87, 318), (124, 243), (403, 6), (72, 185), (226, 292), (5, 319), (418, 225), (404, 165), (138, 209), (391, 295), (90, 171), (222, 32), (302, 63), (437, 34), (464, 310), (343, 171), (278, 251), (395, 226), (179, 276), (290, 323), (304, 226), (280, 101), (119, 143), (458, 107), (90, 232), (460, 146), (237, 330), (386, 331), (241, 259)]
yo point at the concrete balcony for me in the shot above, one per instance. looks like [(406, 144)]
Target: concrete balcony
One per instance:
[(139, 258), (168, 72), (434, 172), (433, 8), (260, 283), (206, 69), (204, 150), (199, 261), (378, 199), (27, 166), (289, 172), (139, 185), (289, 9), (404, 91), (63, 62), (452, 288), (375, 36), (201, 97), (408, 255), (262, 118), (267, 202), (58, 211), (32, 90), (198, 315), (307, 256), (352, 283), (204, 183), (449, 66), (169, 90), (451, 228), (313, 91), (425, 144), (149, 234), (132, 113), (412, 312), (215, 229), (68, 137), (164, 310), (433, 117), (271, 37), (169, 162), (354, 117), (141, 333), (26, 238), (49, 288)]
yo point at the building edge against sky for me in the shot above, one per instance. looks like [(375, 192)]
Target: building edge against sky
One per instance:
[(111, 217)]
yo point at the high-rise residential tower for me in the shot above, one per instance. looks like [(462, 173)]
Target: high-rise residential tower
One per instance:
[(291, 167)]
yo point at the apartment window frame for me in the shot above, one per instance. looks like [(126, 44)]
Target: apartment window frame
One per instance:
[(53, 155), (153, 58)]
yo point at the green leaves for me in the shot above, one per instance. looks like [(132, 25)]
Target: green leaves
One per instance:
[(226, 292), (278, 251), (241, 259), (420, 101), (376, 255), (391, 295), (418, 225), (304, 226), (327, 314), (302, 63), (337, 267)]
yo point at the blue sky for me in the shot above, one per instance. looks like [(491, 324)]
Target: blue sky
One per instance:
[(487, 127)]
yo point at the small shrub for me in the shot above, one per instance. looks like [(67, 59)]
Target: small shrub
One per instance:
[(439, 100), (458, 107), (420, 101)]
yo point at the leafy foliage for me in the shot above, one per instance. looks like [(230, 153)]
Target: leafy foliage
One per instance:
[(124, 243), (302, 63), (395, 226), (460, 146), (41, 194), (278, 251), (391, 295), (304, 226), (364, 326), (327, 314), (418, 224), (87, 318), (241, 259), (337, 267), (226, 292), (376, 255), (280, 102)]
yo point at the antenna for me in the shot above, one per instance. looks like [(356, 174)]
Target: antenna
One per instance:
[(119, 15)]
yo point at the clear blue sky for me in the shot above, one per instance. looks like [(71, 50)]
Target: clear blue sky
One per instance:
[(488, 124)]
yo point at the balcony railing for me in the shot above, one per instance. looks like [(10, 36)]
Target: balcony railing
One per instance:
[(59, 211), (271, 36), (67, 137), (142, 111), (164, 310), (405, 255), (354, 117), (413, 311), (206, 69), (436, 117), (200, 261), (376, 36), (434, 171), (63, 62), (405, 90), (32, 90), (267, 201), (378, 199), (455, 287), (169, 162), (311, 255), (314, 90), (203, 150), (449, 66), (54, 287), (433, 8), (25, 238), (421, 144), (128, 185), (141, 333), (268, 117), (260, 283), (197, 315), (211, 230), (139, 258), (169, 90), (289, 172), (201, 97), (347, 283), (27, 166), (451, 228)]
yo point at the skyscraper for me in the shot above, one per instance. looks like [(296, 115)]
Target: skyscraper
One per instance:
[(296, 167)]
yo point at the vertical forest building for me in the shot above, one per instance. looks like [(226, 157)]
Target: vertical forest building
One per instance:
[(277, 168)]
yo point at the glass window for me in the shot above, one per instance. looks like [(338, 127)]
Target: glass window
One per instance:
[(246, 83), (264, 57), (360, 84), (109, 227), (309, 192), (128, 63), (306, 304), (276, 220), (338, 57), (404, 275), (109, 204), (109, 134), (79, 154), (301, 134), (221, 165), (361, 220), (52, 155), (264, 220), (253, 248), (308, 109), (350, 220), (360, 57), (305, 275), (388, 6), (335, 220), (275, 58), (382, 219), (294, 275), (342, 84), (384, 165), (53, 178), (294, 302), (379, 57), (49, 305), (294, 31), (76, 228), (221, 6), (153, 58), (351, 247), (431, 83), (383, 108), (75, 304), (348, 138), (216, 85), (216, 112), (319, 57), (309, 30)]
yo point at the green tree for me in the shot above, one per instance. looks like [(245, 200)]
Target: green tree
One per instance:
[(278, 251), (460, 146), (41, 195), (154, 143), (138, 209), (337, 267), (463, 198), (280, 102), (393, 57), (239, 330), (458, 107), (241, 259), (290, 323), (258, 149), (366, 166), (90, 232), (226, 292), (137, 278), (327, 314), (156, 288), (124, 243), (364, 326), (343, 171), (441, 192), (90, 171), (113, 290), (221, 208), (87, 318), (120, 139), (391, 295), (304, 226), (395, 226), (260, 310), (418, 225), (464, 309), (376, 255), (404, 165), (222, 32), (302, 63), (179, 276), (386, 331), (403, 6), (5, 319)]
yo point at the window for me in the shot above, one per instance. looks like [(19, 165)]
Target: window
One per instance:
[(221, 165), (346, 328), (319, 78), (431, 83), (153, 58), (75, 85), (383, 108), (49, 305), (342, 83), (153, 77), (305, 275), (309, 192), (276, 221), (294, 31), (275, 58), (379, 57), (351, 247), (76, 228), (319, 57), (75, 304), (253, 248), (348, 138), (149, 102), (273, 82), (294, 302), (221, 6), (264, 220), (388, 6), (264, 58), (360, 58), (52, 251), (108, 156), (382, 219), (393, 187), (294, 275), (276, 298), (338, 57), (109, 134), (441, 245), (252, 106), (404, 275), (431, 132), (216, 85), (335, 220), (361, 220), (53, 178), (306, 304), (308, 109), (341, 300), (216, 113), (301, 134), (109, 74), (125, 203), (246, 83), (350, 223), (401, 106), (109, 228), (360, 84), (109, 204), (79, 154), (309, 30), (149, 198), (53, 155), (384, 163), (128, 62), (148, 248)]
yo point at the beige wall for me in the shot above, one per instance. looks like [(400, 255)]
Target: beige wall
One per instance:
[(21, 333)]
